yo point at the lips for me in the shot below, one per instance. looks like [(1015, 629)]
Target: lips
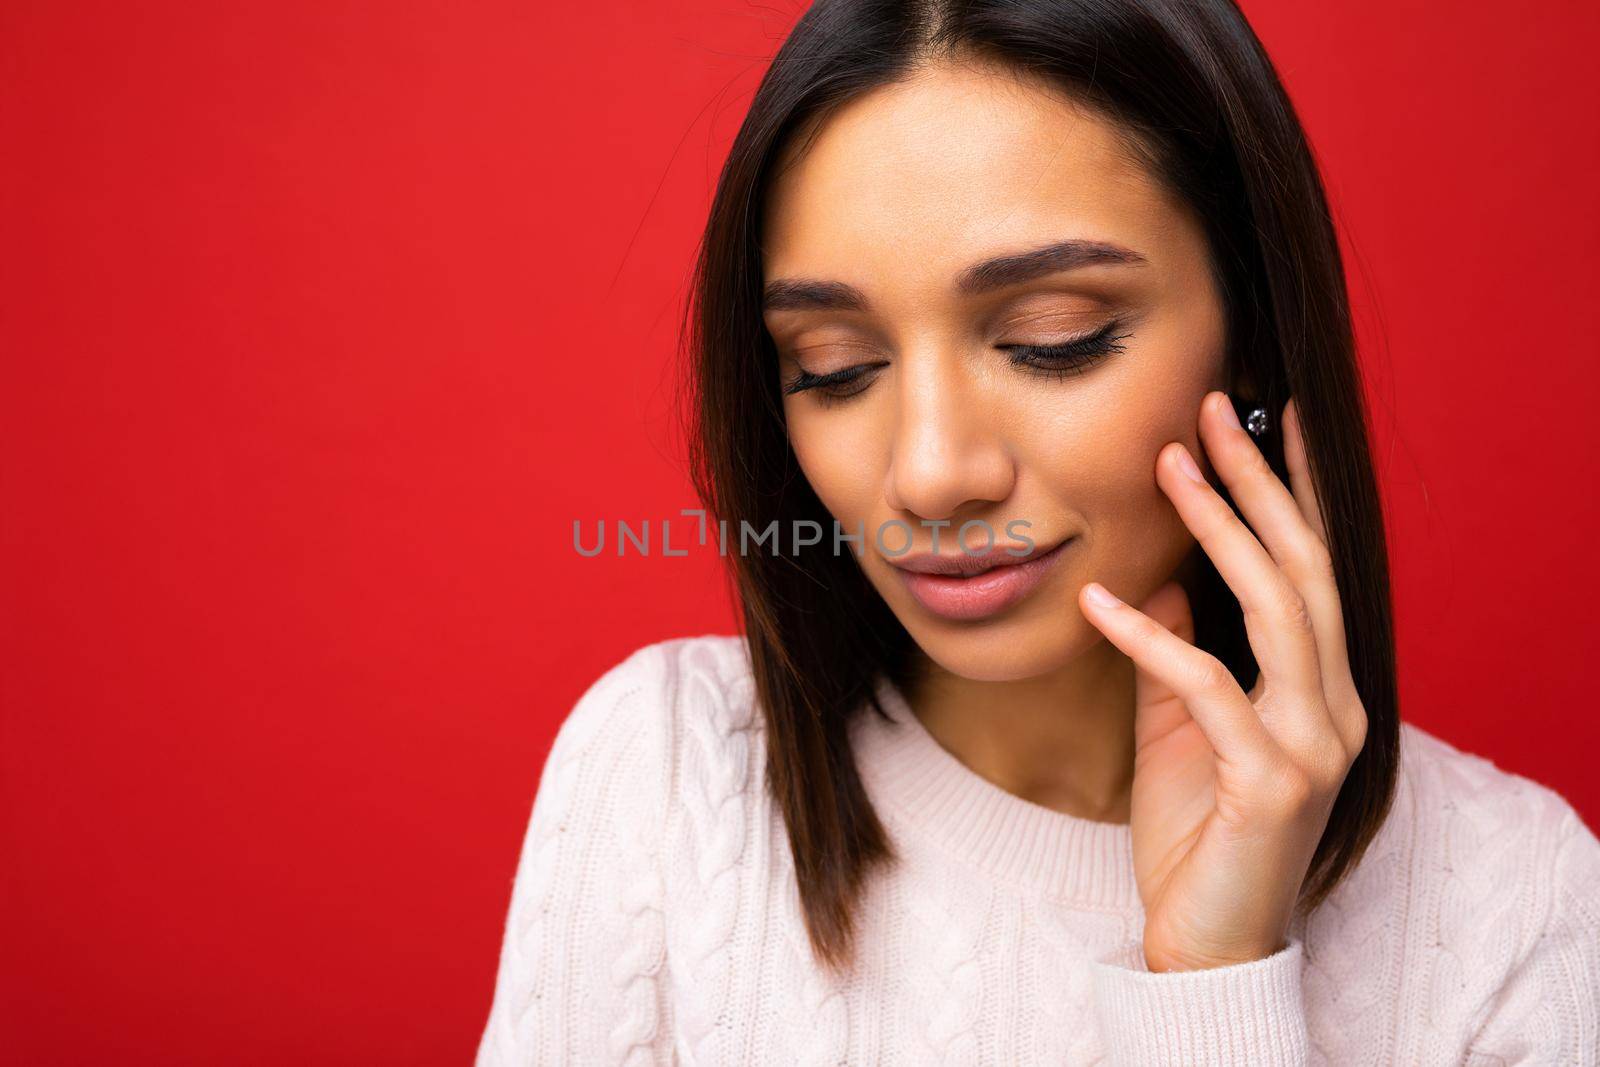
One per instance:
[(967, 587), (963, 564)]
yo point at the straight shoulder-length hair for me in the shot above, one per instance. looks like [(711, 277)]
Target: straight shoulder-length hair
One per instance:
[(1192, 93)]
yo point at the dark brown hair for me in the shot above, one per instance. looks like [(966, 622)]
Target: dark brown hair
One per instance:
[(1193, 92)]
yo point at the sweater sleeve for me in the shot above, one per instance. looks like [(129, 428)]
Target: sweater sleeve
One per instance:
[(1246, 1013), (1548, 1009), (581, 969)]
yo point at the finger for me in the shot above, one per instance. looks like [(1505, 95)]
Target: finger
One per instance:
[(1268, 505), (1348, 714), (1161, 708), (1219, 707), (1278, 519), (1294, 454), (1275, 616)]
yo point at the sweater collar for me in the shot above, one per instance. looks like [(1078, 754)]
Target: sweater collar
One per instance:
[(943, 801)]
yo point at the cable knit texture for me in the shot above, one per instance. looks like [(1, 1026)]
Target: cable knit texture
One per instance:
[(655, 920)]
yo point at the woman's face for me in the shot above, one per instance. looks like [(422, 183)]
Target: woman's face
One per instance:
[(951, 413)]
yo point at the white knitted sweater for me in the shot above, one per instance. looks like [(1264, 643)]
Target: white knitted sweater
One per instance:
[(654, 917)]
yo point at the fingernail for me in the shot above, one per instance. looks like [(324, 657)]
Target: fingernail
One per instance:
[(1101, 595), (1186, 462), (1229, 416)]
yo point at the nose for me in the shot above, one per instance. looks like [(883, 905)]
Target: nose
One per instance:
[(948, 453)]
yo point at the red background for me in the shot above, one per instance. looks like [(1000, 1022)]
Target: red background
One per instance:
[(322, 321)]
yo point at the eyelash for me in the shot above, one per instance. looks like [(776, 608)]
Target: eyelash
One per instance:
[(1054, 361)]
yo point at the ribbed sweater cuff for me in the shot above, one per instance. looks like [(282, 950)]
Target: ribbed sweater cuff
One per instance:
[(1247, 1013)]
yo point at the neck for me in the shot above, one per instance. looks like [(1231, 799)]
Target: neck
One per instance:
[(1063, 740)]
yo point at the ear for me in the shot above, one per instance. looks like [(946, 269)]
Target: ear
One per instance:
[(1244, 394), (1243, 389)]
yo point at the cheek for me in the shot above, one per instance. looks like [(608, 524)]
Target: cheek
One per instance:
[(1106, 474), (836, 455), (1099, 461)]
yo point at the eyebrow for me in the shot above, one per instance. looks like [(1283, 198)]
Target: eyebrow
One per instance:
[(800, 294)]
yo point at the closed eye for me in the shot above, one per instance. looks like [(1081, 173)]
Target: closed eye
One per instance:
[(1073, 357), (835, 385), (1056, 361)]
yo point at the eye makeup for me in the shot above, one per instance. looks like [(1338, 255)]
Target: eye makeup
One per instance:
[(1072, 357), (835, 385), (1054, 361)]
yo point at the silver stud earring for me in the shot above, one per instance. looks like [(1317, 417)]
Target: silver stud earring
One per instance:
[(1256, 422)]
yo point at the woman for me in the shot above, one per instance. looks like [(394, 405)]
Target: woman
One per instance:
[(1082, 745)]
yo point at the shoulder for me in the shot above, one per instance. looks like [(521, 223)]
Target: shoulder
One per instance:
[(665, 681), (589, 902), (1478, 857), (630, 754), (655, 681), (1512, 861), (642, 711), (1475, 803), (1478, 878), (1510, 876)]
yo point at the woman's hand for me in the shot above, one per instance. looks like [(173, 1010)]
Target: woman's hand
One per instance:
[(1232, 790)]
